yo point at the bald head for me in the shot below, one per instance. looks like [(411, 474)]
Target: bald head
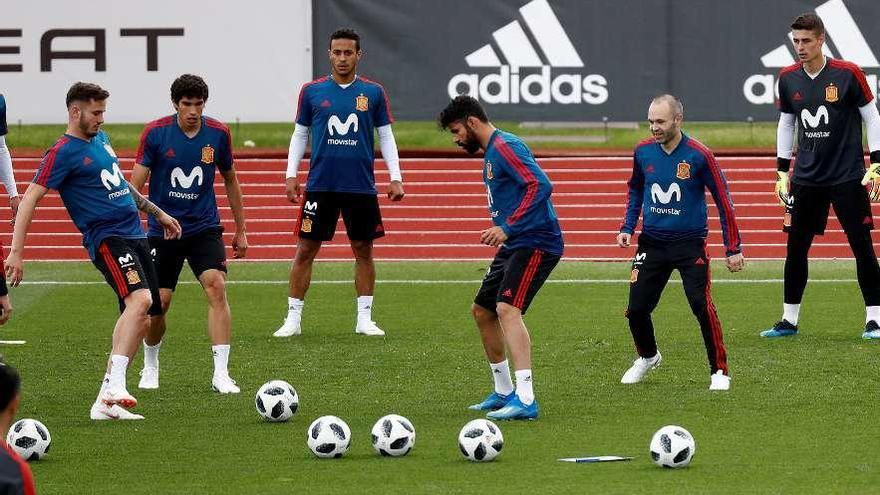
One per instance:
[(674, 104), (664, 117)]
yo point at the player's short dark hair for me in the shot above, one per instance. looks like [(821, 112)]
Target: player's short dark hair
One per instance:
[(189, 86), (809, 21), (85, 92), (10, 384), (459, 109), (347, 34)]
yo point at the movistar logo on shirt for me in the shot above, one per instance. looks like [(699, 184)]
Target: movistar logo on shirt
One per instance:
[(185, 181), (658, 195), (112, 180), (812, 121), (335, 126)]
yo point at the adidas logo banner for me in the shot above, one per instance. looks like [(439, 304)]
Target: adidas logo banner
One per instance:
[(576, 60)]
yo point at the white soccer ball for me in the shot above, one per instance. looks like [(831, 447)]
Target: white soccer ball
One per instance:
[(672, 447), (249, 144), (480, 440), (29, 438), (393, 436), (276, 401), (328, 437)]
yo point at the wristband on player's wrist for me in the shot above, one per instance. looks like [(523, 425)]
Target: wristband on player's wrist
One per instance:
[(783, 164)]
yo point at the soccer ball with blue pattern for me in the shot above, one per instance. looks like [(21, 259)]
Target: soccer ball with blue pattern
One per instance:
[(329, 437), (480, 440), (29, 438), (393, 436), (672, 447), (276, 401)]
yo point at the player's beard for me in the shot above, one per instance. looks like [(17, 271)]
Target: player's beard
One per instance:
[(665, 137), (472, 144), (86, 129)]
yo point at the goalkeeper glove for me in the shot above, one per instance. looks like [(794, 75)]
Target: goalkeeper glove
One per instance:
[(782, 187), (871, 177)]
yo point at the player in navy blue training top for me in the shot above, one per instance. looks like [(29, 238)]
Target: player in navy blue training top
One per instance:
[(527, 233), (180, 154), (671, 172), (342, 111), (83, 168), (830, 99)]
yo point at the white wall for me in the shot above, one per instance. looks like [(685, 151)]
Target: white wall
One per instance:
[(254, 55)]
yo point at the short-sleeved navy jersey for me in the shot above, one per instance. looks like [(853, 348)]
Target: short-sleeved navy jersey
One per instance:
[(87, 176), (829, 124), (342, 122), (182, 171)]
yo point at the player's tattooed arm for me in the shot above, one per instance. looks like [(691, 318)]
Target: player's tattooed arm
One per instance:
[(170, 225), (145, 205)]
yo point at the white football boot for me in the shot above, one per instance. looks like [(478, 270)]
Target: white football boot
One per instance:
[(149, 378), (640, 367), (368, 328), (720, 381), (103, 412), (224, 385), (289, 328), (112, 396)]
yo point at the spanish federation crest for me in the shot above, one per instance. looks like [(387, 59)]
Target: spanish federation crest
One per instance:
[(683, 171), (361, 103), (306, 225), (208, 155), (489, 174), (831, 93), (133, 277)]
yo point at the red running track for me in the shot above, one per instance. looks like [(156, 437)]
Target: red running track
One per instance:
[(445, 208)]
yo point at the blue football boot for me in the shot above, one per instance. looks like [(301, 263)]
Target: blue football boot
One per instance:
[(493, 402), (515, 409), (872, 331), (782, 328)]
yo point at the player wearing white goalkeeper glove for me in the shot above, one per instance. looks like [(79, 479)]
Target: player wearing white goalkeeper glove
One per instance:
[(782, 187), (871, 177)]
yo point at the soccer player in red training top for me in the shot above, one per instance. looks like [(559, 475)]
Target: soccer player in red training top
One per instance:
[(179, 154), (15, 474), (671, 172), (342, 110), (83, 168), (527, 233), (832, 99)]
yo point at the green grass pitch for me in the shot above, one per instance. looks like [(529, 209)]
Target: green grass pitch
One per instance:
[(800, 416)]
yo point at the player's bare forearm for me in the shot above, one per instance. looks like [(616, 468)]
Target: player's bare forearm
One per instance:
[(139, 176), (25, 215), (145, 205)]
